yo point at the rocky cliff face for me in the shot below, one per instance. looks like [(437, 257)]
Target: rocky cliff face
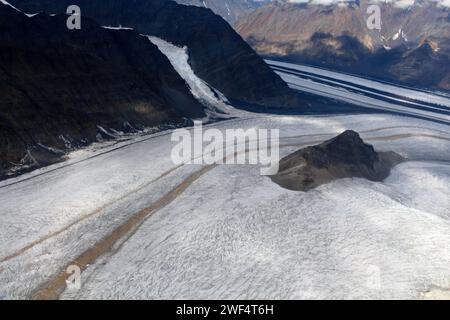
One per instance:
[(230, 10), (218, 54), (344, 156), (337, 36), (62, 89)]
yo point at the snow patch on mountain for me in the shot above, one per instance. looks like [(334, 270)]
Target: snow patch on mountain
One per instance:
[(216, 103), (29, 15), (400, 34), (8, 4), (117, 28)]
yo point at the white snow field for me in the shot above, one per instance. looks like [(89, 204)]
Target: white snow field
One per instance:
[(216, 103), (233, 233)]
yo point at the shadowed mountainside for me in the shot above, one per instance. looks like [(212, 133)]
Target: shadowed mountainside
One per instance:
[(218, 55), (62, 89), (230, 10)]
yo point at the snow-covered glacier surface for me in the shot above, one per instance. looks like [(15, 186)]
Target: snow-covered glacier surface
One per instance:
[(365, 93), (236, 235), (233, 233)]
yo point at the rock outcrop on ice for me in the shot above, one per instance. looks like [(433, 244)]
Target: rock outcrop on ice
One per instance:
[(345, 156)]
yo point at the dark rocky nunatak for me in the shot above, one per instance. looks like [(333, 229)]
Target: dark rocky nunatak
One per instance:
[(345, 156)]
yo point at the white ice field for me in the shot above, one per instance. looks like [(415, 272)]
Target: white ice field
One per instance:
[(232, 233)]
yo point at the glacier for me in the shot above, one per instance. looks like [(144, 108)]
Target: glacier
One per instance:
[(218, 106), (233, 233)]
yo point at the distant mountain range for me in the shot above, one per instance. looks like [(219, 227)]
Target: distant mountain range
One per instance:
[(413, 46)]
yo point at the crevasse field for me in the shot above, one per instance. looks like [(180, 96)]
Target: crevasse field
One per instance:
[(232, 233)]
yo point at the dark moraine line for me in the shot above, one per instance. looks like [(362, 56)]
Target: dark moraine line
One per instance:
[(437, 94), (367, 91), (384, 109)]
